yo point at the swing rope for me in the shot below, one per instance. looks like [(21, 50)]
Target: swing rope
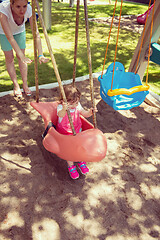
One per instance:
[(116, 44), (35, 51), (76, 42), (90, 63), (88, 53), (54, 65), (109, 38)]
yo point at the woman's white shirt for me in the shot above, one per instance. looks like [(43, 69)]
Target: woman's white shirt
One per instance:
[(5, 8)]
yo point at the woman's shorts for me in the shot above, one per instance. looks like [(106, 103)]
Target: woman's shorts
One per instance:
[(20, 39)]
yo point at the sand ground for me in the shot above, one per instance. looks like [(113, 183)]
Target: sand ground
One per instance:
[(118, 200)]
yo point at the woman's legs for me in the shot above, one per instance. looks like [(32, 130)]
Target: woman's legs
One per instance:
[(9, 58), (24, 70)]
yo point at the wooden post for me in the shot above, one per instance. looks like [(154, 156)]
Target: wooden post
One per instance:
[(35, 50), (89, 62), (47, 14), (76, 42)]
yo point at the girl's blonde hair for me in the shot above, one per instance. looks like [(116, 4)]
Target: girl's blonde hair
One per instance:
[(72, 94)]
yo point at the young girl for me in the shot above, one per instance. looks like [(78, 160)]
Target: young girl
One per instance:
[(13, 15), (63, 125)]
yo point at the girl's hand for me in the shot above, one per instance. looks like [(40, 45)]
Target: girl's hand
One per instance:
[(92, 110), (43, 59), (65, 106), (89, 112), (62, 112)]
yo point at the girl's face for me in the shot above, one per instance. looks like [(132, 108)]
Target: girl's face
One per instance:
[(72, 104), (19, 7)]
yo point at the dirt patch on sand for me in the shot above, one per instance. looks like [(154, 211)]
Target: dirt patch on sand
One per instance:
[(128, 22)]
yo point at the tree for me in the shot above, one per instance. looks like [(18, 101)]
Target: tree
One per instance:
[(71, 3)]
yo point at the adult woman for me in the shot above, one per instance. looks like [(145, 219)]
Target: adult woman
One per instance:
[(13, 15)]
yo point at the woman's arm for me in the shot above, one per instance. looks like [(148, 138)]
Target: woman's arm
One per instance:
[(42, 59), (12, 41)]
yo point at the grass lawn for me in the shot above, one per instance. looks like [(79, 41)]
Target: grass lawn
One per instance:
[(62, 36)]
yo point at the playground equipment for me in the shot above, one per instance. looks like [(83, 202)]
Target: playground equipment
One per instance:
[(123, 90), (128, 91), (90, 145), (142, 63), (155, 57), (141, 19)]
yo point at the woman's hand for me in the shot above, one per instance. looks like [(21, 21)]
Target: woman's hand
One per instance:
[(26, 60), (43, 59)]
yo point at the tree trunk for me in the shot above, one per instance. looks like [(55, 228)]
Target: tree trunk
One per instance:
[(71, 3)]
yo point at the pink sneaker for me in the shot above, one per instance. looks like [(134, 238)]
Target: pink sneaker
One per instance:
[(82, 166), (73, 172)]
